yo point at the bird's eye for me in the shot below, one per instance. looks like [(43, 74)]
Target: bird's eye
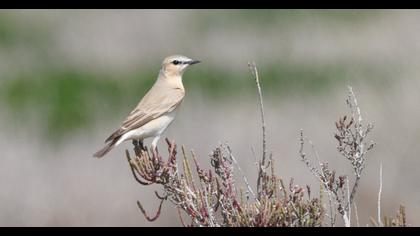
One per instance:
[(176, 62)]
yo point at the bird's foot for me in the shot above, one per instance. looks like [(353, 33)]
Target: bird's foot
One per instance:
[(142, 146), (138, 146), (135, 143)]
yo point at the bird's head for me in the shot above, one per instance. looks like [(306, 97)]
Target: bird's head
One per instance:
[(176, 65)]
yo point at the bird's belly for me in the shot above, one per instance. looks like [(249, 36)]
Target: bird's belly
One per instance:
[(154, 127)]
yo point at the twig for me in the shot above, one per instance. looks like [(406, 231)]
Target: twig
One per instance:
[(243, 175), (379, 194), (356, 214), (254, 71), (147, 216), (353, 191), (318, 174), (180, 216), (262, 166), (254, 155), (359, 115), (351, 135), (332, 212), (347, 220), (358, 157)]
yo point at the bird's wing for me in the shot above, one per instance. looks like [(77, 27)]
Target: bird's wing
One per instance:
[(157, 102)]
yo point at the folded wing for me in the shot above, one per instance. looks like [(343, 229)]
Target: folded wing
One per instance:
[(158, 101)]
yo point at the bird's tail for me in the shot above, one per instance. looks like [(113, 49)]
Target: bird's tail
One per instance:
[(105, 149)]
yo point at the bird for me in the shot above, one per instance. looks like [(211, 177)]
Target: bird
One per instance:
[(156, 110)]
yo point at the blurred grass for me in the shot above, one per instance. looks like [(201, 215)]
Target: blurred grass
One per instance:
[(13, 31), (67, 98), (207, 20)]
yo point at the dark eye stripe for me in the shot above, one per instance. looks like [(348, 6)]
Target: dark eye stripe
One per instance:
[(176, 62)]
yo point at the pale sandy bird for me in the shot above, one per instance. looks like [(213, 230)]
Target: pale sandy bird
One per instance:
[(157, 109)]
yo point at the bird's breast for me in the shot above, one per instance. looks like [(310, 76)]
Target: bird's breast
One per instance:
[(168, 118)]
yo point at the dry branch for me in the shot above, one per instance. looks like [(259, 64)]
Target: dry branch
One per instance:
[(211, 197)]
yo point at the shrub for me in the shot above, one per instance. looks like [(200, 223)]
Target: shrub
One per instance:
[(213, 198)]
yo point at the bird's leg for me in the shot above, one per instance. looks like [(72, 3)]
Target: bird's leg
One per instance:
[(135, 143), (141, 145), (136, 147), (154, 145)]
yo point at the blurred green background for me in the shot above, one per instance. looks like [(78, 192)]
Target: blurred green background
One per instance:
[(61, 91), (69, 77)]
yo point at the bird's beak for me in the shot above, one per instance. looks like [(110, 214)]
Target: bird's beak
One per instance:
[(194, 62)]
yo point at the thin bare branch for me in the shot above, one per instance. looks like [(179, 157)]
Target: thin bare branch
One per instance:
[(347, 216), (243, 176), (379, 194), (356, 214), (147, 216), (252, 66), (133, 170)]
